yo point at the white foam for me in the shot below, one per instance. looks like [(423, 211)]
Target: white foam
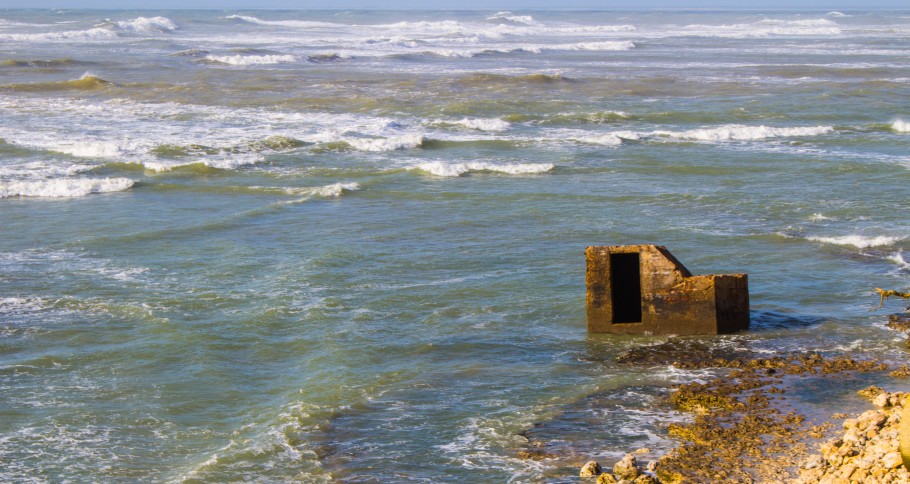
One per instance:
[(743, 133), (334, 190), (610, 45), (898, 258), (837, 14), (763, 28), (859, 241), (251, 60), (607, 139), (97, 33), (22, 304), (147, 24), (386, 144), (439, 168), (509, 16), (901, 126), (63, 187), (480, 124), (817, 217), (229, 163), (302, 24)]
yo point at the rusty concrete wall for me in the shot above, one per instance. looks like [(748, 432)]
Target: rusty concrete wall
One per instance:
[(672, 300)]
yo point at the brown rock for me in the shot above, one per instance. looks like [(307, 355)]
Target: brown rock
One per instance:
[(606, 478), (627, 468), (591, 469), (892, 460)]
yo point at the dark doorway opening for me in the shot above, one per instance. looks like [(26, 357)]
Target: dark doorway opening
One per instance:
[(625, 282)]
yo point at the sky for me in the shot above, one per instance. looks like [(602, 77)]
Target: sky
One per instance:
[(463, 4)]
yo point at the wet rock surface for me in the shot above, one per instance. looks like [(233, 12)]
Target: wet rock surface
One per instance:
[(742, 433)]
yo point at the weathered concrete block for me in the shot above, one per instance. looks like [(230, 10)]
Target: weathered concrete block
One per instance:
[(643, 288)]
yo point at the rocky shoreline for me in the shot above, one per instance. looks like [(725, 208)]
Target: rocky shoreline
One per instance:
[(742, 430)]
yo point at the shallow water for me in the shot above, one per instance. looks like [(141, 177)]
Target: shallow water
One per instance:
[(313, 245)]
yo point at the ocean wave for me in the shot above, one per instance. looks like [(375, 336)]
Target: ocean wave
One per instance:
[(302, 24), (88, 82), (860, 241), (22, 304), (510, 17), (610, 45), (42, 63), (743, 133), (147, 24), (251, 60), (901, 126), (386, 144), (439, 168), (96, 33), (898, 258), (226, 163), (492, 124), (334, 190), (765, 28), (63, 187)]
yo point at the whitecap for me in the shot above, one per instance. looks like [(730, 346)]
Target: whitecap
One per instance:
[(304, 24), (147, 24), (859, 241), (898, 258), (519, 19), (610, 45), (63, 187), (766, 28), (386, 144), (439, 168), (251, 60), (96, 33), (743, 133), (901, 126), (229, 163), (480, 124)]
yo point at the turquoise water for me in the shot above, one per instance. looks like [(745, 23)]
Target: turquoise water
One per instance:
[(348, 246)]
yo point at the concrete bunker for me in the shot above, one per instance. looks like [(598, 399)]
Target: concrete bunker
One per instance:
[(644, 289)]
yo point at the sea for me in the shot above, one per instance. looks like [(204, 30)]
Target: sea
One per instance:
[(348, 246)]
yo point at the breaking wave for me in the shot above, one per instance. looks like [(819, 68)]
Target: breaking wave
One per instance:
[(610, 45), (281, 23), (859, 241), (439, 168), (901, 126), (88, 82), (510, 17), (147, 24), (386, 144), (38, 63), (743, 133), (63, 187), (493, 124), (765, 28), (251, 60), (228, 163), (96, 33)]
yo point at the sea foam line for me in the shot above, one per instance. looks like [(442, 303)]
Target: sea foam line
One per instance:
[(251, 60), (439, 168), (859, 241), (63, 187)]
